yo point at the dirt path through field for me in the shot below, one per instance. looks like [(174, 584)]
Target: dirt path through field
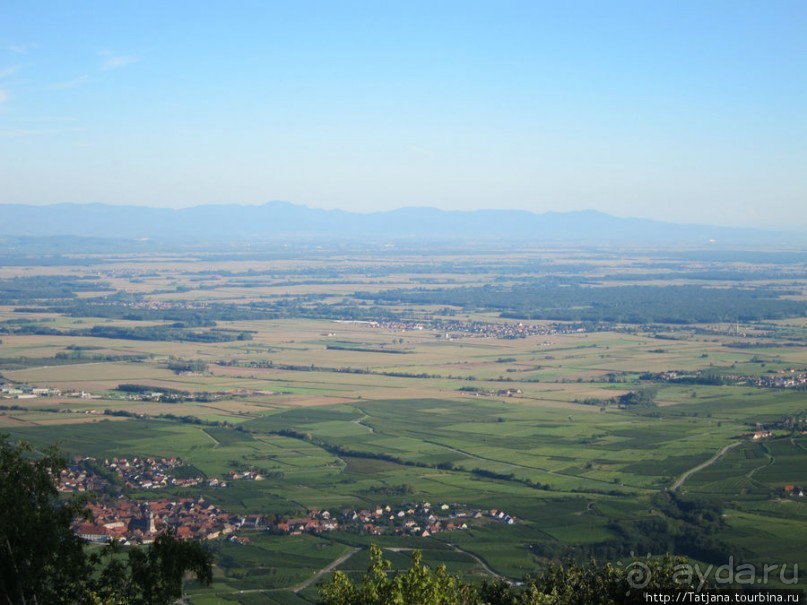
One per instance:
[(479, 560), (488, 569), (328, 569), (703, 465), (186, 600), (361, 421), (511, 464)]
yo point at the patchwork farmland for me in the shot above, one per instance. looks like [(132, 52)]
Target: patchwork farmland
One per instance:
[(348, 381)]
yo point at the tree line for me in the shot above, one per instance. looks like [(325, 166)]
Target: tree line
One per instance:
[(607, 304), (567, 583)]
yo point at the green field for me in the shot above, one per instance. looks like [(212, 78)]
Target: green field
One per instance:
[(343, 415)]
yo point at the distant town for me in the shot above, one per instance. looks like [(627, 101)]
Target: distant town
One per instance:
[(117, 517)]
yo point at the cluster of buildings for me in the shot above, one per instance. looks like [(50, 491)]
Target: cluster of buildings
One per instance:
[(781, 379), (491, 393), (78, 478), (141, 522), (248, 475), (501, 330), (81, 475), (154, 473), (459, 329), (135, 473), (794, 491), (420, 519), (25, 391), (114, 516)]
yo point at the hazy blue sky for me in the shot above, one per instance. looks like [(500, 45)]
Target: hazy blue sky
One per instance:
[(691, 111)]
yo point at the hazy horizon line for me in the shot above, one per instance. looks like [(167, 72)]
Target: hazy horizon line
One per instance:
[(790, 229)]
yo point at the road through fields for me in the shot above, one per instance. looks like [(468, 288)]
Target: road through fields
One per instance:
[(680, 481)]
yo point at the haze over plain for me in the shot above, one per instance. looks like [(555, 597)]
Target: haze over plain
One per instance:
[(686, 112)]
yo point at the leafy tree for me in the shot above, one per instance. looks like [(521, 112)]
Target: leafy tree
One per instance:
[(185, 365), (644, 397), (569, 583), (608, 584), (156, 574), (420, 585), (40, 558), (42, 562), (150, 576)]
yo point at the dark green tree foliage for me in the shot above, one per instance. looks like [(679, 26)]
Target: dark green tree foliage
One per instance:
[(150, 576), (562, 584), (40, 558), (419, 585), (42, 562), (595, 583), (622, 304), (641, 398), (677, 524), (37, 288), (174, 332), (187, 365)]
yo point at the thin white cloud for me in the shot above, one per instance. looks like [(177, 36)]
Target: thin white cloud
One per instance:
[(49, 119), (10, 133), (75, 82), (8, 71), (3, 96), (118, 61), (35, 132), (21, 49)]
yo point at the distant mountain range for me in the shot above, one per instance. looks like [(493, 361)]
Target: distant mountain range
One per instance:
[(283, 220)]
